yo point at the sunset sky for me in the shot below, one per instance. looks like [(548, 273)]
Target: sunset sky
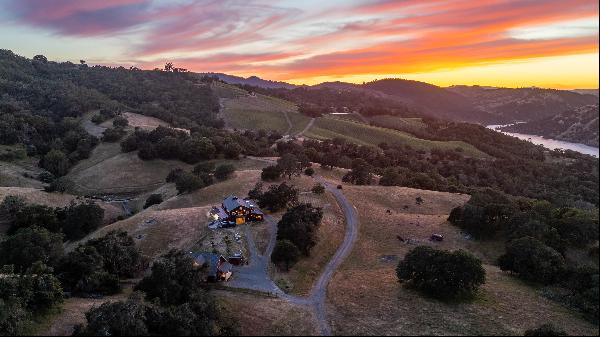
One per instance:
[(500, 43)]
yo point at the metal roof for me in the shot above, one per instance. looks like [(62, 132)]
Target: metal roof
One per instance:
[(232, 202)]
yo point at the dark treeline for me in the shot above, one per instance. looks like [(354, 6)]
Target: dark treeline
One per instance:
[(565, 181), (201, 143)]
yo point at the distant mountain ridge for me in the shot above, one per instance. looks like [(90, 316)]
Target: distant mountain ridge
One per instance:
[(476, 104), (579, 125)]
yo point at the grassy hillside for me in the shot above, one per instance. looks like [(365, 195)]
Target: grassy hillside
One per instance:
[(365, 297), (263, 112), (363, 134), (398, 123)]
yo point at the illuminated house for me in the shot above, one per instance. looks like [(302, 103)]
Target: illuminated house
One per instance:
[(241, 210)]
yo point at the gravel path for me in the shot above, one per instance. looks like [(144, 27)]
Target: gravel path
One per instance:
[(255, 276), (308, 126)]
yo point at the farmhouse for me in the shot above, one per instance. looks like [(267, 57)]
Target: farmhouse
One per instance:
[(218, 268), (241, 210)]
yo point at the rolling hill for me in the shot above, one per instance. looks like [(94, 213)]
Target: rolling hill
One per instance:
[(523, 104), (578, 125)]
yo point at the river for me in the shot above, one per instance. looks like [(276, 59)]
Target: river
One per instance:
[(550, 143)]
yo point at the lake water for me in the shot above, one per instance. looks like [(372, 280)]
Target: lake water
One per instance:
[(550, 143)]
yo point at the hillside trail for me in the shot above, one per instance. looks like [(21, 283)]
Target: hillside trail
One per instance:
[(255, 276), (289, 122), (307, 127)]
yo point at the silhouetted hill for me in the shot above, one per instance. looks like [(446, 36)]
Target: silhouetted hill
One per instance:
[(252, 81), (431, 99)]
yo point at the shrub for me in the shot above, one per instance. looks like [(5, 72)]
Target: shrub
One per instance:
[(271, 173), (533, 261), (120, 122), (112, 135), (441, 274), (224, 171), (204, 167), (285, 253), (309, 171), (174, 174), (153, 199), (187, 182), (318, 189)]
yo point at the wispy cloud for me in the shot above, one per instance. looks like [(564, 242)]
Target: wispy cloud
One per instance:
[(288, 40)]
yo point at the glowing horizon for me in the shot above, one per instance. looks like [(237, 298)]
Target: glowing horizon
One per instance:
[(500, 43)]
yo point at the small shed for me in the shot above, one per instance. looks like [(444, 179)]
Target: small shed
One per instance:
[(218, 268)]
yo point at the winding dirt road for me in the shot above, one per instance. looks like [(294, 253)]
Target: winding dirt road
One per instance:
[(255, 276)]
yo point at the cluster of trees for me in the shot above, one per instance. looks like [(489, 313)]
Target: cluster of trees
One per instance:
[(441, 274), (204, 174), (96, 266), (169, 301), (276, 197), (538, 236), (297, 234), (35, 272), (200, 144), (74, 221), (289, 164)]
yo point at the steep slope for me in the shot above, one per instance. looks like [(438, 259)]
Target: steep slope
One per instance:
[(579, 125), (523, 104)]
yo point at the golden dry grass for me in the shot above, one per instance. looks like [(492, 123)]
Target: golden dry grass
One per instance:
[(364, 296), (121, 174), (19, 174), (239, 185), (143, 122), (158, 231), (181, 221), (263, 316)]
